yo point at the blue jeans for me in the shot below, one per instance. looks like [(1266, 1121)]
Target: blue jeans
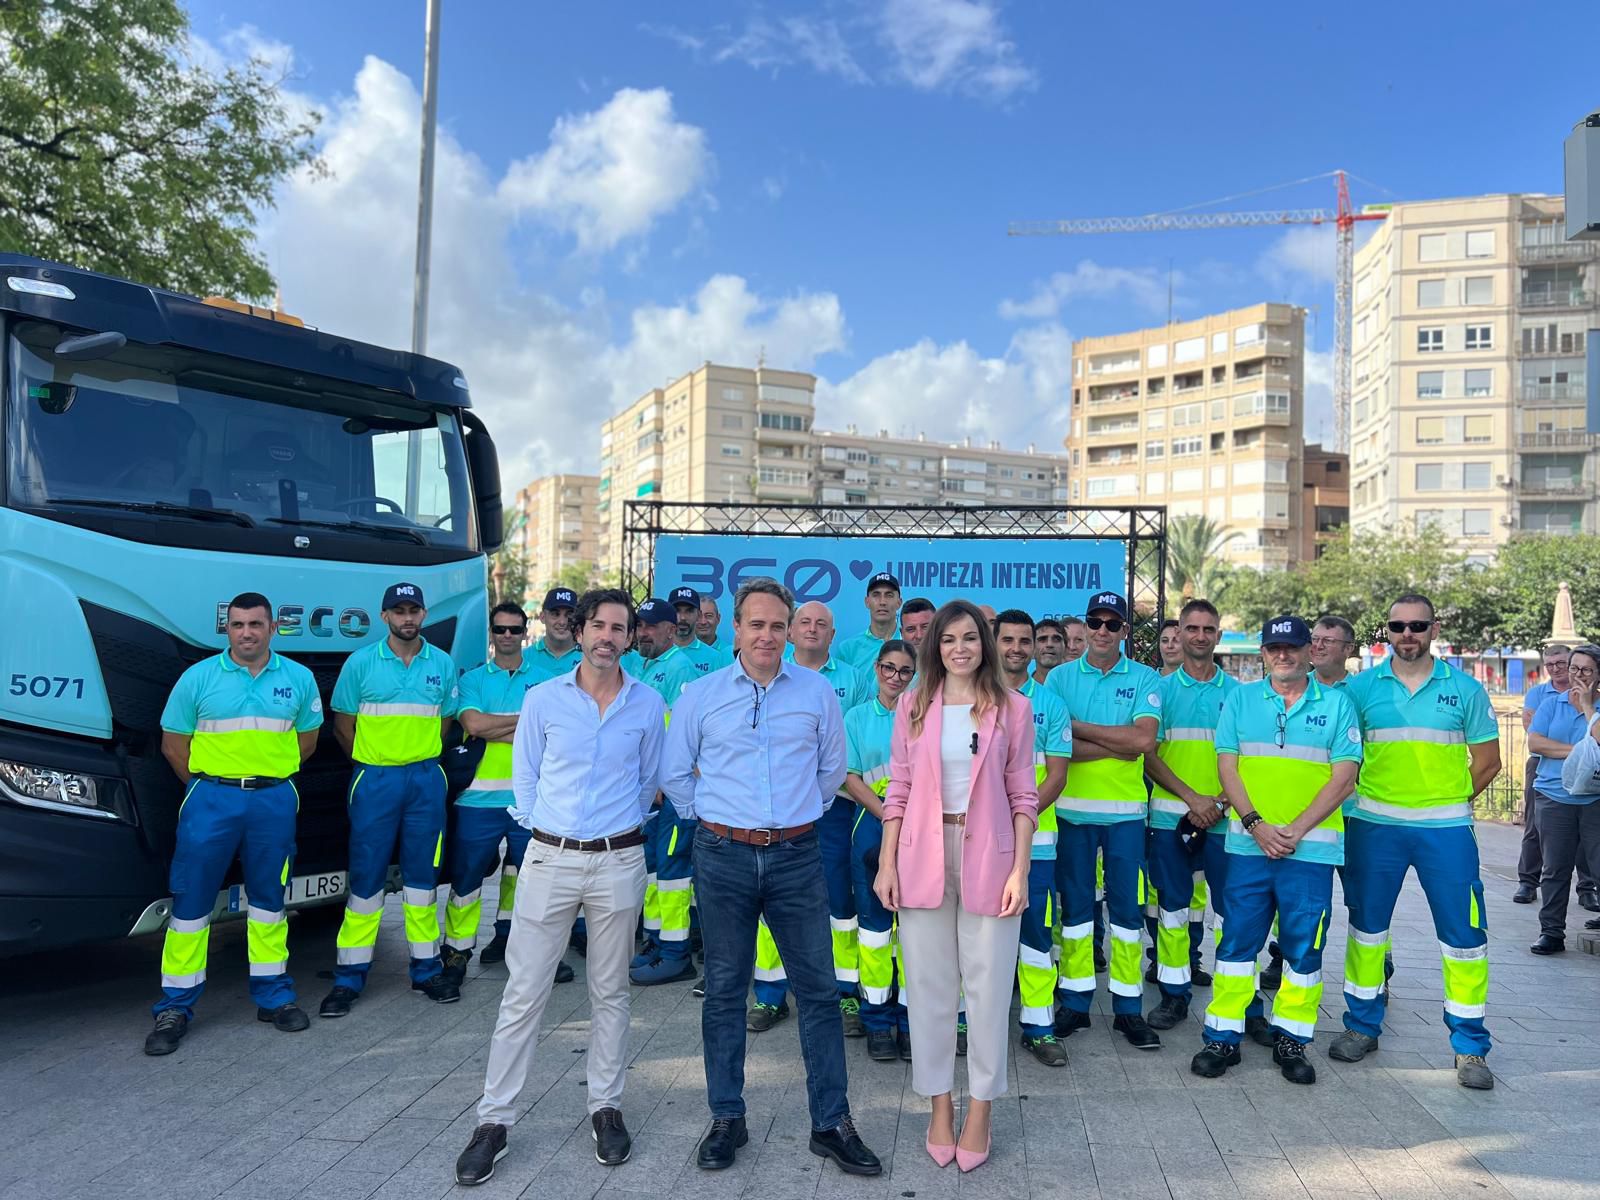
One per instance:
[(783, 884)]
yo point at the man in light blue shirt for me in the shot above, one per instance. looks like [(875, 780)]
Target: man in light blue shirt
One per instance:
[(1530, 861), (585, 760), (756, 752)]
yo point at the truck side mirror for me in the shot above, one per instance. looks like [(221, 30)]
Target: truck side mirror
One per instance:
[(484, 463)]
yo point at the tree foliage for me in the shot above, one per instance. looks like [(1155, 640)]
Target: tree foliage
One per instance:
[(1512, 603), (1195, 566), (120, 153)]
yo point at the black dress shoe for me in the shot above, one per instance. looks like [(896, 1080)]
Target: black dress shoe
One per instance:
[(495, 951), (1290, 1056), (881, 1045), (337, 1002), (171, 1025), (1590, 899), (844, 1145), (438, 989), (717, 1148), (286, 1018), (1139, 1034), (612, 1145), (487, 1147), (1068, 1022), (1592, 923), (1549, 945), (564, 973), (1525, 894)]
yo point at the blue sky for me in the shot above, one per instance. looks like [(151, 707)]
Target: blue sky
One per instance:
[(628, 189)]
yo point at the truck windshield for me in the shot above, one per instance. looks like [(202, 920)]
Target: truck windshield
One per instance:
[(191, 438)]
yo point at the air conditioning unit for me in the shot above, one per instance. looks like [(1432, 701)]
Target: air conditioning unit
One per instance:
[(1507, 520)]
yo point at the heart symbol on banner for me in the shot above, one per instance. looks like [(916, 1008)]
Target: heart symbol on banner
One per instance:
[(861, 568)]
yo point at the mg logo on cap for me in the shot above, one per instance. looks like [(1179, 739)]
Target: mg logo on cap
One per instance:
[(1282, 626), (405, 590)]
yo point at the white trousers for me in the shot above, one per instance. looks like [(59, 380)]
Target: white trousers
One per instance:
[(552, 887), (949, 951)]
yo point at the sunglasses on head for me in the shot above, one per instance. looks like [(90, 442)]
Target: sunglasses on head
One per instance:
[(1111, 624), (504, 629), (1410, 626)]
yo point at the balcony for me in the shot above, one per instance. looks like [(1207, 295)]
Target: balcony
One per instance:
[(1560, 297), (1121, 429), (1557, 252), (1555, 439), (1105, 397), (1555, 391), (1553, 485), (1566, 345), (782, 437)]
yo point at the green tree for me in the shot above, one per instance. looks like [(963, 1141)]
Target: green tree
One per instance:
[(1194, 557), (508, 567), (579, 576), (121, 154), (1512, 602)]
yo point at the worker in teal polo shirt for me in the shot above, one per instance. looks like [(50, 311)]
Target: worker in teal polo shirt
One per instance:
[(556, 653), (883, 615), (234, 730), (390, 705), (685, 603)]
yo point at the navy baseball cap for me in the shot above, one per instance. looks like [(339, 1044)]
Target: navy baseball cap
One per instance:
[(560, 598), (402, 593), (656, 612), (1285, 631), (684, 595), (1107, 602), (883, 579)]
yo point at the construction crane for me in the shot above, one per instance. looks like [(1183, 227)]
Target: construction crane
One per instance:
[(1343, 218)]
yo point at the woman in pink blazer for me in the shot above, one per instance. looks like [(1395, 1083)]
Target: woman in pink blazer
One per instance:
[(958, 825)]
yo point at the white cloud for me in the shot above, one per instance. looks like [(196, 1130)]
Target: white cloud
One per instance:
[(958, 45), (1145, 286), (1319, 397), (609, 174), (1303, 253)]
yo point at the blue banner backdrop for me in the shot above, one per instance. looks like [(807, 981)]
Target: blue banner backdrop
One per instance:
[(1043, 577)]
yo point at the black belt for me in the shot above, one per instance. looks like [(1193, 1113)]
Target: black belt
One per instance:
[(248, 783), (620, 841)]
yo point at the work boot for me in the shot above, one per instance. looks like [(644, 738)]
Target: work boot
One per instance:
[(763, 1017), (1068, 1022), (564, 973), (1151, 972), (662, 970), (1473, 1072), (1351, 1046), (1046, 1049), (1198, 975), (1099, 961), (487, 1147), (1214, 1060), (337, 1002), (1548, 944), (1526, 893), (903, 1041), (1169, 1012), (961, 1040), (455, 965), (286, 1018), (1272, 977), (649, 951), (850, 1017), (1259, 1031), (1139, 1034), (438, 989), (612, 1144), (171, 1025), (495, 951), (881, 1045), (1290, 1056)]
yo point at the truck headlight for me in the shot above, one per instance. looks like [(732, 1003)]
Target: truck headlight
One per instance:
[(59, 791)]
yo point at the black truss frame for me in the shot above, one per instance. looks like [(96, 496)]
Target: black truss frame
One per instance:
[(1144, 529)]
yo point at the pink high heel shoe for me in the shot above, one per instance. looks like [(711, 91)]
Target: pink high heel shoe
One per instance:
[(941, 1154), (971, 1160)]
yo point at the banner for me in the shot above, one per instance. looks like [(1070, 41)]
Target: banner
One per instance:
[(1043, 577)]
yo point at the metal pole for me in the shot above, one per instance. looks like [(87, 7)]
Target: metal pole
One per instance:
[(430, 119)]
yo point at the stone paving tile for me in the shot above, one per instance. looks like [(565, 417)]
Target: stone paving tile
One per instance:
[(377, 1106)]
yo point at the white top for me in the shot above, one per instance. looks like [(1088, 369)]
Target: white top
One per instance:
[(956, 757)]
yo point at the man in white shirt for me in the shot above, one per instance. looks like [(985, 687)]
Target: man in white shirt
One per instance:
[(585, 761)]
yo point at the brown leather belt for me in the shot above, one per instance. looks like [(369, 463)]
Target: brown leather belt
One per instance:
[(758, 837), (621, 841), (955, 818)]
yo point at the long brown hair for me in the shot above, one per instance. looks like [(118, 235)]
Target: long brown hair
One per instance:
[(989, 690)]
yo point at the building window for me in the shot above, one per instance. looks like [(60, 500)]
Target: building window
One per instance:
[(1478, 430), (1430, 384), (735, 394), (1474, 476), (785, 421), (731, 451), (1185, 446), (1475, 521), (1480, 243), (732, 421), (1431, 247), (1480, 337), (1248, 335), (1152, 450), (1156, 418), (1362, 407), (1219, 342), (1430, 339), (1189, 350), (1430, 293), (1479, 290), (1430, 477), (1430, 431), (1187, 414), (783, 475), (1480, 383)]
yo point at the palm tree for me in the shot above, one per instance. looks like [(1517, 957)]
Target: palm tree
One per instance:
[(1194, 555)]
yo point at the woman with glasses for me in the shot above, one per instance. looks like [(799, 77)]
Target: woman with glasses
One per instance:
[(868, 729), (958, 821), (1569, 824)]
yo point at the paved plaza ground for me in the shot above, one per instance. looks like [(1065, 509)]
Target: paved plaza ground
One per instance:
[(379, 1104)]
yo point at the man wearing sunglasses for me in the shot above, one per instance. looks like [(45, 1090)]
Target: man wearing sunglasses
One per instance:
[(1115, 705), (1287, 753), (1431, 745)]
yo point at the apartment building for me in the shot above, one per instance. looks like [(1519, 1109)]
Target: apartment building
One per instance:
[(1324, 499), (553, 527), (1471, 319), (1203, 416), (857, 468)]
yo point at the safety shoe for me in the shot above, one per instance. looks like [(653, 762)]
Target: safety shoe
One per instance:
[(763, 1017), (564, 973), (1214, 1060), (1548, 945), (961, 1039), (1351, 1046), (662, 970), (1589, 898), (699, 988), (850, 1017), (903, 1043), (649, 951), (1045, 1049), (1198, 975), (1068, 1022), (438, 989), (286, 1018), (1139, 1034), (844, 1145), (1171, 1011), (1290, 1056), (171, 1025), (1525, 894), (487, 1147), (1259, 1031), (726, 1135), (495, 951), (881, 1045), (455, 965), (1272, 976), (337, 1002), (612, 1145), (1473, 1072)]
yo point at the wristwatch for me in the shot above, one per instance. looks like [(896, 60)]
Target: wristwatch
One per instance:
[(1251, 821)]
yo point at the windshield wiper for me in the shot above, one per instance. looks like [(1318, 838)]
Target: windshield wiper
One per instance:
[(389, 531), (164, 509)]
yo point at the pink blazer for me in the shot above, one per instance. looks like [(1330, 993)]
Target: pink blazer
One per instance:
[(1002, 784)]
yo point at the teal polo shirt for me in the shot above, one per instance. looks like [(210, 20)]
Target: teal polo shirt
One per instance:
[(666, 674), (242, 724), (398, 708), (1416, 769), (850, 685), (861, 651), (493, 691), (1187, 739), (1349, 805), (1321, 729), (704, 658), (1052, 738), (544, 665), (1108, 790), (868, 730)]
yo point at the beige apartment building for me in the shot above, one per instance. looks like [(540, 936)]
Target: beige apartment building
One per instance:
[(553, 527), (737, 435), (1471, 318), (1204, 417)]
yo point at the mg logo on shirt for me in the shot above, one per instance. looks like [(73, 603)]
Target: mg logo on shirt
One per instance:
[(433, 681), (1452, 701), (1125, 693), (283, 693), (1321, 722)]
